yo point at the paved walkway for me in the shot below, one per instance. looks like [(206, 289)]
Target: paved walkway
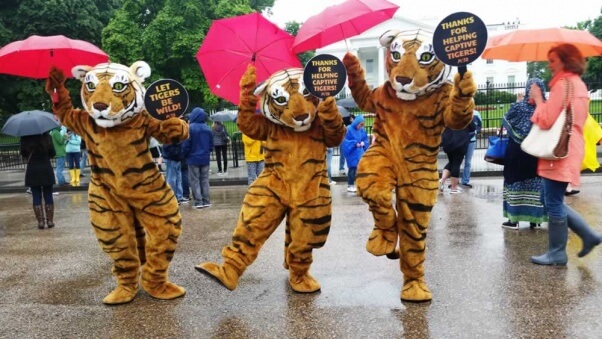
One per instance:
[(52, 281)]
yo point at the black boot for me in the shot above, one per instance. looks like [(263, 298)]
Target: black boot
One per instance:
[(49, 209), (558, 234), (588, 236), (37, 209)]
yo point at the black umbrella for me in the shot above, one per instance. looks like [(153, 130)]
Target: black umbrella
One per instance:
[(30, 123), (347, 102), (222, 116), (344, 112)]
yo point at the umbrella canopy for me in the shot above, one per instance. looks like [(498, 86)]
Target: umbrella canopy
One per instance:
[(224, 116), (30, 123), (33, 57), (534, 44), (342, 21), (344, 112), (347, 102), (233, 43)]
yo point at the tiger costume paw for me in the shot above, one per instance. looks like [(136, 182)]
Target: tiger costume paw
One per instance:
[(465, 86), (303, 283), (121, 294), (164, 290), (353, 66), (382, 242), (56, 79), (415, 290), (174, 129), (225, 274)]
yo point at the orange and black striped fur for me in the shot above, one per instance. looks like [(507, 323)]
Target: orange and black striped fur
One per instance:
[(294, 184), (412, 109), (133, 211)]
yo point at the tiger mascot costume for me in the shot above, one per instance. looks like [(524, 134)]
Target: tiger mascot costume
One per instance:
[(412, 109), (294, 183), (133, 212)]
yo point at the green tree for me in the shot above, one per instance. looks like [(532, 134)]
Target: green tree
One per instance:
[(292, 27), (539, 69), (593, 73)]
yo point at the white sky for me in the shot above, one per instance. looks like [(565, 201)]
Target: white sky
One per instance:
[(533, 13)]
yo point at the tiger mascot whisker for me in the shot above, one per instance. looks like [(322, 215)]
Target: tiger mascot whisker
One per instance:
[(412, 109), (294, 183), (128, 197)]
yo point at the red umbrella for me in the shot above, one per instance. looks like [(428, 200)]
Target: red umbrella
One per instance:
[(231, 44), (33, 57), (534, 44), (342, 21)]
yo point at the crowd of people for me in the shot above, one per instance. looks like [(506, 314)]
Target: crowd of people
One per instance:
[(533, 188)]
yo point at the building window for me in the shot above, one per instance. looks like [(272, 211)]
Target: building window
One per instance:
[(489, 61), (511, 79), (370, 66), (490, 80)]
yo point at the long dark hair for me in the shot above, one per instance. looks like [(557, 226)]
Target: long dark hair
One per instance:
[(31, 143)]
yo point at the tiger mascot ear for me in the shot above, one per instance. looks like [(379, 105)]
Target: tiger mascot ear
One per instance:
[(141, 69), (79, 72), (387, 38), (260, 88)]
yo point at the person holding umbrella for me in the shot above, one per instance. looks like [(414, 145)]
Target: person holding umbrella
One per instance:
[(38, 150), (567, 65)]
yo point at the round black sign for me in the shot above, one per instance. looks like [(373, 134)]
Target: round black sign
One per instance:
[(166, 98), (460, 39), (324, 75)]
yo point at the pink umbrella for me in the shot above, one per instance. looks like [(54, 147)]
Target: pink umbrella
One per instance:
[(342, 21), (233, 43), (33, 57)]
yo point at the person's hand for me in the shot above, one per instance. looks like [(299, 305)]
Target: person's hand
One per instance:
[(535, 93), (362, 144)]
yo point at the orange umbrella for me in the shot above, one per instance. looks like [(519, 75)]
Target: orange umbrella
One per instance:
[(534, 44)]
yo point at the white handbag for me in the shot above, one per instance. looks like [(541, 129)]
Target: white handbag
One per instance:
[(553, 143)]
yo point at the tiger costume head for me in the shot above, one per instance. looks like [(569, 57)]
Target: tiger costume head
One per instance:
[(285, 101), (412, 66), (112, 93)]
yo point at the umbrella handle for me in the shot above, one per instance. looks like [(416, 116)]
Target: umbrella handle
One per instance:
[(462, 70)]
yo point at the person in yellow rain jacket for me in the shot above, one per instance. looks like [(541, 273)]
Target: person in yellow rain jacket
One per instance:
[(254, 158), (592, 135)]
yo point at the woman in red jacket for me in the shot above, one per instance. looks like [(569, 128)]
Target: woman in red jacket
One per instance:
[(567, 65)]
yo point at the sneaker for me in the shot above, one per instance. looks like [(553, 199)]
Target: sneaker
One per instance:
[(510, 225), (342, 172), (333, 182), (28, 191), (180, 202), (225, 172), (534, 226), (467, 185), (351, 189), (457, 190), (184, 200), (55, 193), (198, 206), (207, 205), (441, 186)]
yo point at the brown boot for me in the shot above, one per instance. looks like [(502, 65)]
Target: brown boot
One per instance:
[(49, 209), (39, 215)]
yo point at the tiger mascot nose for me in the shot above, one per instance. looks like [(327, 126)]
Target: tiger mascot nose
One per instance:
[(302, 117), (100, 106)]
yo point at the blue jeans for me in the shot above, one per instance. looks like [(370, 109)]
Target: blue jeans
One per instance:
[(199, 184), (254, 168), (73, 160), (84, 159), (60, 166), (185, 182), (38, 191), (341, 161), (173, 175), (351, 176), (468, 162), (328, 163), (553, 195)]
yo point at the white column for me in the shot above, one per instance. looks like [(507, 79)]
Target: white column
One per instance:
[(381, 66)]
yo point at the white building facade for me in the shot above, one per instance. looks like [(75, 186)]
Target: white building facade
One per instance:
[(367, 48)]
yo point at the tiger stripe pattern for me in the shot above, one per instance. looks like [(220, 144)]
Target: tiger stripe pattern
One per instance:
[(133, 212), (412, 109), (294, 183)]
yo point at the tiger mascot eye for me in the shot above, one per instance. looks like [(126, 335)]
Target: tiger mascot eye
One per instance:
[(128, 197), (294, 183), (412, 109)]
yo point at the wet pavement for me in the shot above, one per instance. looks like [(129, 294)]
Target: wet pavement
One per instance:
[(52, 282)]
